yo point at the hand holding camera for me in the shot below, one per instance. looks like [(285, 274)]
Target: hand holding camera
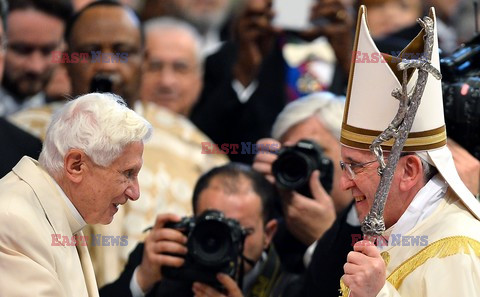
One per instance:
[(214, 245), (300, 168), (231, 287), (254, 36), (160, 246), (335, 20)]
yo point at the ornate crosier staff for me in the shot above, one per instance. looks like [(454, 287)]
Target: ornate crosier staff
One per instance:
[(374, 225)]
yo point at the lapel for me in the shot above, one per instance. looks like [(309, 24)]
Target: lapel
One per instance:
[(87, 269), (56, 212)]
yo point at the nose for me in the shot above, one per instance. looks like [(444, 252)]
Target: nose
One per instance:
[(106, 62), (37, 63), (167, 77), (133, 191), (345, 182)]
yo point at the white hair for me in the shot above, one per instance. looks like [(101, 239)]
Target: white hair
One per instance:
[(101, 125), (326, 106), (170, 23)]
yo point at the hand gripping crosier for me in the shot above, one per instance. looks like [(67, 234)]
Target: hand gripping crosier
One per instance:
[(373, 224)]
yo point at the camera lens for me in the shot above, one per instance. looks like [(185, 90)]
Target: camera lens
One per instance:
[(292, 169), (211, 243)]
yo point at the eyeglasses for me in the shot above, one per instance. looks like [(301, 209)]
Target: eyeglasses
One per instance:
[(350, 167)]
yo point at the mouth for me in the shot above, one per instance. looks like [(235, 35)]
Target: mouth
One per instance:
[(359, 198)]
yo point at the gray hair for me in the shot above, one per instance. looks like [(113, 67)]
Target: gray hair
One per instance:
[(99, 124), (170, 23), (326, 106)]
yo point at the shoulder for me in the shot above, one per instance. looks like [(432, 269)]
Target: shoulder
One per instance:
[(22, 212)]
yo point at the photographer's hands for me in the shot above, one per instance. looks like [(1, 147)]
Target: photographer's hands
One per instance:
[(203, 290), (254, 36), (264, 159), (159, 245), (338, 30), (306, 218)]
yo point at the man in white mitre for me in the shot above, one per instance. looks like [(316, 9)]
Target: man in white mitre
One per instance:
[(426, 201)]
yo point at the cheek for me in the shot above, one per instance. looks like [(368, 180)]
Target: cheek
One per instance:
[(131, 70), (81, 75), (12, 65)]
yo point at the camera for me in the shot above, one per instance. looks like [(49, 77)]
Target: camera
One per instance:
[(461, 95), (101, 83), (214, 243), (295, 164)]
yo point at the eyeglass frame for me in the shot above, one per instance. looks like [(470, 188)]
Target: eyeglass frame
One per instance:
[(348, 166)]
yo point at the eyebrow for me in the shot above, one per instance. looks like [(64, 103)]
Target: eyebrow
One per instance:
[(350, 160)]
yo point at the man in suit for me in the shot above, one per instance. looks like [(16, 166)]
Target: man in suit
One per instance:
[(87, 168)]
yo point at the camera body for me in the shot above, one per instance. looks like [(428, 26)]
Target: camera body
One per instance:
[(214, 243), (461, 95), (295, 164)]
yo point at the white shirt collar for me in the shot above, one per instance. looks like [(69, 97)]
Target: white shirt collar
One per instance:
[(80, 222), (421, 207)]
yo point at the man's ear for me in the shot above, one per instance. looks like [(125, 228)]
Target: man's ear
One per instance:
[(412, 173), (75, 165), (270, 229)]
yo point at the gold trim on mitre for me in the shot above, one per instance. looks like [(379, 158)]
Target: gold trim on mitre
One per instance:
[(370, 107), (416, 141)]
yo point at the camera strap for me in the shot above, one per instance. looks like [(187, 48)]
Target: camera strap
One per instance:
[(249, 261), (266, 280)]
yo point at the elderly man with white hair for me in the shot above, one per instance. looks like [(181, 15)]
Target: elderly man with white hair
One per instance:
[(88, 166)]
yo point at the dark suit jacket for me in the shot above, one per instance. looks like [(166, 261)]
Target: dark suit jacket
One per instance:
[(326, 268), (15, 144), (220, 114)]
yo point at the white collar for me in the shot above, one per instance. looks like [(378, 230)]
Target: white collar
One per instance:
[(422, 206), (79, 221)]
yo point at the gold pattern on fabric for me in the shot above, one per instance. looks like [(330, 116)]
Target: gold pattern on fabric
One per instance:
[(442, 248)]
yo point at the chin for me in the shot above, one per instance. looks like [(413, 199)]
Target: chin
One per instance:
[(106, 221)]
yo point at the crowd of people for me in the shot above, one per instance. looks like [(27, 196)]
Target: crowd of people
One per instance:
[(181, 107)]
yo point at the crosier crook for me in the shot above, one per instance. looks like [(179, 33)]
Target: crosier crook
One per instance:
[(374, 225)]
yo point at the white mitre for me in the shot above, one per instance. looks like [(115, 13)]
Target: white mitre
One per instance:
[(370, 107)]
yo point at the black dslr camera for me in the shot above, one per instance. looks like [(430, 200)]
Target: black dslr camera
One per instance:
[(214, 243), (295, 164), (461, 95)]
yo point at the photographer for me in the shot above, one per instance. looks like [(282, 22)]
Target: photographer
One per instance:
[(251, 78), (241, 194)]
